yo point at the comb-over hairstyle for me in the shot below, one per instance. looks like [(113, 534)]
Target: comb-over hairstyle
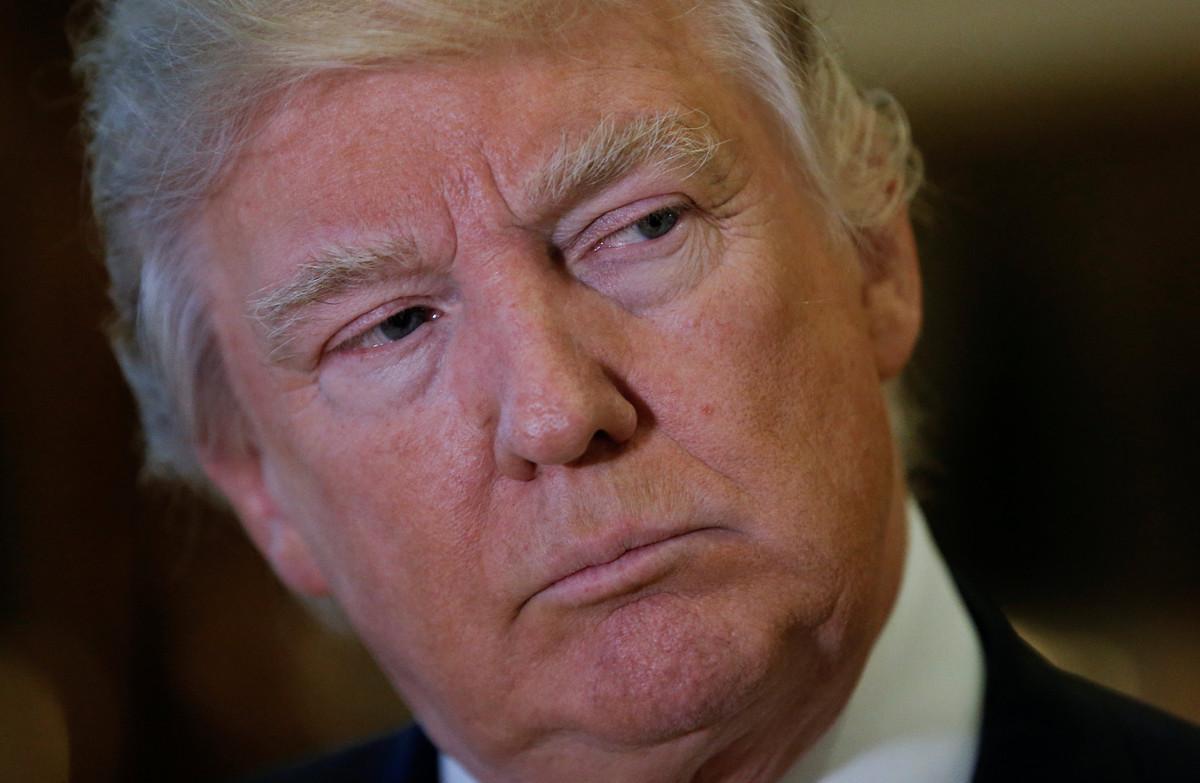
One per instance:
[(173, 88)]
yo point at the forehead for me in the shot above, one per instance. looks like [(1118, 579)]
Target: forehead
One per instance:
[(504, 107)]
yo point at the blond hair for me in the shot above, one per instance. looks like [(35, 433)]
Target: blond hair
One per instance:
[(173, 86)]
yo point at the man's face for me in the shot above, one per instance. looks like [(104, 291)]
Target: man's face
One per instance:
[(593, 456)]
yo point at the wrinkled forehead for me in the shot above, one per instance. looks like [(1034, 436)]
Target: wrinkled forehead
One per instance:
[(511, 104)]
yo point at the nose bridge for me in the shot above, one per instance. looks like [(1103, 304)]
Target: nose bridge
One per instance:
[(554, 395), (542, 342)]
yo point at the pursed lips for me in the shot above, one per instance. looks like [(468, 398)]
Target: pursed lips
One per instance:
[(618, 564)]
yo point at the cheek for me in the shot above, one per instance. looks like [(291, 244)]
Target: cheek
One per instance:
[(755, 367), (373, 492), (778, 392), (391, 515)]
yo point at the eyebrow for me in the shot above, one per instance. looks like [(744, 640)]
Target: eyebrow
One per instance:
[(675, 141), (331, 271)]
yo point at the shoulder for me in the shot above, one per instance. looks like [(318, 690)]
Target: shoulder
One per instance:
[(404, 757), (1043, 724)]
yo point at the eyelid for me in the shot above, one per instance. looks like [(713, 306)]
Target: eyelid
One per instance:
[(609, 241), (345, 339), (624, 217)]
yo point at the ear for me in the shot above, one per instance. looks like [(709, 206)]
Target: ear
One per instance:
[(891, 293), (244, 479)]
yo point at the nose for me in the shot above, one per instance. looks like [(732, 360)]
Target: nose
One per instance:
[(558, 402)]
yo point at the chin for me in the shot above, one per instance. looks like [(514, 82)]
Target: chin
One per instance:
[(660, 669)]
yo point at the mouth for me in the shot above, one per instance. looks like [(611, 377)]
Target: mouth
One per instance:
[(607, 575)]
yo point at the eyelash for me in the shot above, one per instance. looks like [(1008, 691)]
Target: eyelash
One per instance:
[(604, 226), (362, 341)]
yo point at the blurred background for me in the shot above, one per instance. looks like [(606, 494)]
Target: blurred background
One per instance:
[(141, 639)]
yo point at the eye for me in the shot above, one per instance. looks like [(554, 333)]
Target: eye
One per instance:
[(392, 329), (404, 323), (656, 224)]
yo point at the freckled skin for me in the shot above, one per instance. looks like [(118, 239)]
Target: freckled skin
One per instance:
[(430, 486)]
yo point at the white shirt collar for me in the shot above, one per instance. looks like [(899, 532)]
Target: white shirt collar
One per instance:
[(915, 715)]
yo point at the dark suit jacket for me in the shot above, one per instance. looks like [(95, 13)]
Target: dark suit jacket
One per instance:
[(1043, 724), (1040, 725)]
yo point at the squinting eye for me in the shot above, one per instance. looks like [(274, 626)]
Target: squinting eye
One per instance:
[(405, 322), (393, 329), (652, 226)]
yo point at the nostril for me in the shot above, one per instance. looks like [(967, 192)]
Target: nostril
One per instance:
[(601, 448)]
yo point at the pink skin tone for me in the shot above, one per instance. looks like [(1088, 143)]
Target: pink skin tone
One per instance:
[(714, 392)]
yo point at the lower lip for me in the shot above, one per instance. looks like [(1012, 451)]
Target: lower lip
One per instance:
[(630, 572)]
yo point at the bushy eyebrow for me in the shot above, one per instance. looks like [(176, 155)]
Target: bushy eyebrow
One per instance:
[(676, 141), (333, 270)]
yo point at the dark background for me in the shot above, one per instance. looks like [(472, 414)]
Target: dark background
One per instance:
[(141, 640)]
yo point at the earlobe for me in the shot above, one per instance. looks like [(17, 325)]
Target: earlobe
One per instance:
[(241, 477), (891, 293)]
